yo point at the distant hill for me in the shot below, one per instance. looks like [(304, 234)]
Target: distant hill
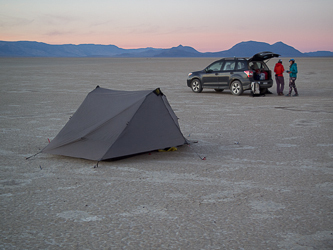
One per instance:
[(180, 51), (319, 54), (243, 49), (250, 48), (36, 49)]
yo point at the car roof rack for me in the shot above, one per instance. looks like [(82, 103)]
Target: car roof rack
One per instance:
[(234, 58)]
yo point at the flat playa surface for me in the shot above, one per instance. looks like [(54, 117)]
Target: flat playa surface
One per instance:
[(266, 182)]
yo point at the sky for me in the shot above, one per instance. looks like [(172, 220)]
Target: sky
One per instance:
[(206, 25)]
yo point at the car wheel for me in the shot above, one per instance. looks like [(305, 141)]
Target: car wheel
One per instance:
[(219, 90), (196, 86), (236, 88)]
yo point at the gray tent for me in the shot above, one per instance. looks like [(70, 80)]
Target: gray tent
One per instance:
[(111, 124)]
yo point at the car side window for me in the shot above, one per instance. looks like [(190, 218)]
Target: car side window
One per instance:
[(229, 65), (241, 65), (214, 67)]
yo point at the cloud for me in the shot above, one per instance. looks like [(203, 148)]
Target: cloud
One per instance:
[(102, 23), (12, 21), (59, 33), (57, 19)]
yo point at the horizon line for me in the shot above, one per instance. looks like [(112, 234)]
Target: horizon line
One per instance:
[(180, 45)]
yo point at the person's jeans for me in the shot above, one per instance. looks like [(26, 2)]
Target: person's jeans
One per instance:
[(292, 85), (279, 84)]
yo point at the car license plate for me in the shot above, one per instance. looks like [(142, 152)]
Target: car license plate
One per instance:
[(264, 83)]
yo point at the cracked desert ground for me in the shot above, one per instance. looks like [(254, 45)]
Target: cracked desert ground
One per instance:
[(266, 181)]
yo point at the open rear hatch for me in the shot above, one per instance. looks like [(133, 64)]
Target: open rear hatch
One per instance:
[(262, 56)]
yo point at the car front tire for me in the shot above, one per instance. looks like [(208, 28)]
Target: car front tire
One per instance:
[(236, 88), (196, 86)]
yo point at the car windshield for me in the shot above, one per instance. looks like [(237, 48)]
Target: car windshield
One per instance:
[(258, 66)]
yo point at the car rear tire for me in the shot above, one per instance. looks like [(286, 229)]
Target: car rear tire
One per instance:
[(236, 88), (196, 86)]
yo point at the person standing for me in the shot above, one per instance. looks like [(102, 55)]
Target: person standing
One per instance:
[(279, 69), (292, 77)]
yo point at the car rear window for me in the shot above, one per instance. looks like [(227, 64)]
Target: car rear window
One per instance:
[(258, 66)]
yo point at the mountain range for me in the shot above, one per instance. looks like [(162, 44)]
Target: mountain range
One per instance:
[(243, 49)]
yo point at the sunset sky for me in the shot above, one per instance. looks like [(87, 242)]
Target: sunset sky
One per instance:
[(210, 25)]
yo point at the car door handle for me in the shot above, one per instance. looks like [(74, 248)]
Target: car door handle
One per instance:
[(216, 74), (231, 72)]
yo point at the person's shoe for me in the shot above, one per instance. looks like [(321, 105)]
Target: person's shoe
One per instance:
[(295, 95), (288, 95)]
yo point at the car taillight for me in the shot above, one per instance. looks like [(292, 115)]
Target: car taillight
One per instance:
[(249, 73)]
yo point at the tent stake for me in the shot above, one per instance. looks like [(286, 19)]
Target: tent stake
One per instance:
[(96, 166)]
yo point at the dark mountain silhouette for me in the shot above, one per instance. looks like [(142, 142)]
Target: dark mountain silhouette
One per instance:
[(250, 48), (180, 51), (319, 54), (36, 49), (243, 49)]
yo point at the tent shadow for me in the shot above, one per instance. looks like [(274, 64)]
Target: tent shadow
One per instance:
[(140, 154)]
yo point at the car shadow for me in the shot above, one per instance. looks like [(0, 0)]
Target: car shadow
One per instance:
[(246, 93)]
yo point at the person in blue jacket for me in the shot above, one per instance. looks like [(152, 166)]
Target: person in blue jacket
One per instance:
[(292, 77)]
